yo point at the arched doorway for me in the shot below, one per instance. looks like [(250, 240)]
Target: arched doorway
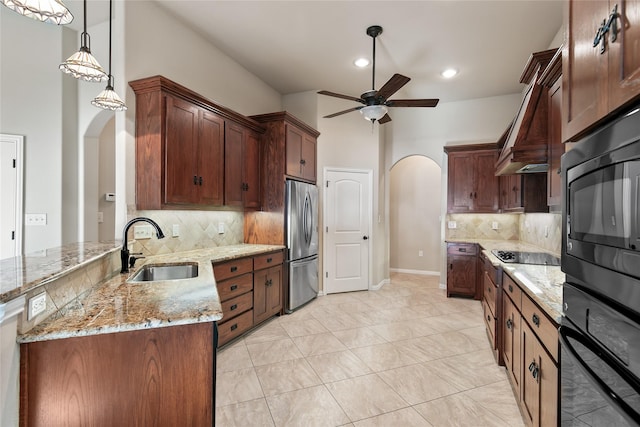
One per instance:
[(414, 216)]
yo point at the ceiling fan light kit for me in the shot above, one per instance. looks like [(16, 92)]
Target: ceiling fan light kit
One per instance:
[(49, 11), (376, 102)]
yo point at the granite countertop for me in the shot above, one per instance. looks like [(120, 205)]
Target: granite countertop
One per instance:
[(542, 283), (20, 274), (118, 305)]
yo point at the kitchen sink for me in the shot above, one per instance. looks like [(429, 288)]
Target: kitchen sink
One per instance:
[(157, 272)]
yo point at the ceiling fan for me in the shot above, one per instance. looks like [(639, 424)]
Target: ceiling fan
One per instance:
[(376, 102)]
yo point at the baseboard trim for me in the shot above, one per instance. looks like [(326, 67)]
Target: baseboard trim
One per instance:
[(379, 285), (420, 272)]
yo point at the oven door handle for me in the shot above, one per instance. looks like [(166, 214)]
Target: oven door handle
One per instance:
[(627, 411)]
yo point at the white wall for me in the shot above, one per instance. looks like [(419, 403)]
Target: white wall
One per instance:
[(31, 104), (414, 215)]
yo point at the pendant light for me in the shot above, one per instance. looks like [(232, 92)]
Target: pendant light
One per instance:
[(108, 99), (49, 11), (82, 65)]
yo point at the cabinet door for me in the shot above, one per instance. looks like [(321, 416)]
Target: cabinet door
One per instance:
[(624, 54), (210, 159), (485, 192), (530, 396), (294, 137), (461, 275), (308, 158), (181, 176), (460, 184), (584, 68), (251, 171), (511, 342), (233, 161), (556, 147), (267, 293)]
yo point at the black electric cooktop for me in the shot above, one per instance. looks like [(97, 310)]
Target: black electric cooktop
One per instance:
[(517, 257)]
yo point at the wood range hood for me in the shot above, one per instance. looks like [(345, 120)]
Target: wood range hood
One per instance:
[(526, 140)]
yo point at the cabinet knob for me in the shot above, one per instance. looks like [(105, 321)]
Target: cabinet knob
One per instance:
[(509, 324), (234, 327), (234, 269), (233, 307), (303, 162), (510, 288), (233, 287), (200, 181), (195, 180), (536, 320)]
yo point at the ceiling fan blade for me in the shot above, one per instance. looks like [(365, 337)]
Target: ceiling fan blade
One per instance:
[(339, 113), (339, 95), (393, 85), (412, 102), (384, 119)]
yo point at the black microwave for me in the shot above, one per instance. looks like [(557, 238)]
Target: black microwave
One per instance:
[(601, 210)]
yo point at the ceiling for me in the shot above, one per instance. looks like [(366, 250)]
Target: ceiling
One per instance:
[(297, 46)]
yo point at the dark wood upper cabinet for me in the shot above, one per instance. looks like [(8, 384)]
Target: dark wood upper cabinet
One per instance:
[(602, 80), (301, 153), (523, 193), (472, 185), (182, 150), (241, 167)]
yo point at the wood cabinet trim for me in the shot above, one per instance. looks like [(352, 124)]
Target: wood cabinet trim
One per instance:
[(160, 83)]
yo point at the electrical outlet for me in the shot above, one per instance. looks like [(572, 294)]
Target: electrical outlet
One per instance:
[(37, 305), (452, 224), (221, 228), (142, 232), (35, 219), (494, 225), (420, 253), (176, 230)]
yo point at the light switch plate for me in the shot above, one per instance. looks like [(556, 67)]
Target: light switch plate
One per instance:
[(35, 219), (451, 225), (221, 228), (175, 232)]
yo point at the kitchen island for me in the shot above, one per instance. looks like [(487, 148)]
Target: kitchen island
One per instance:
[(128, 351)]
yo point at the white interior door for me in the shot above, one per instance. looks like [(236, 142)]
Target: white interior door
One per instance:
[(347, 230), (11, 195)]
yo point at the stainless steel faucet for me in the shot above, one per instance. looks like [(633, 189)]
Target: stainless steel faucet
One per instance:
[(124, 252)]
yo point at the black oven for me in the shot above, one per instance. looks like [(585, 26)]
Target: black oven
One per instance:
[(599, 363), (601, 212)]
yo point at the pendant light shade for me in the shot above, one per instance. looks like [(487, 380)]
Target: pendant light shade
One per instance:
[(82, 65), (49, 11), (108, 99), (373, 112)]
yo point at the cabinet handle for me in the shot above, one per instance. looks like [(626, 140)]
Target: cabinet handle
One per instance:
[(195, 180), (234, 269), (303, 162), (450, 266), (510, 288), (200, 180), (608, 25), (534, 369), (234, 326), (489, 317), (475, 195), (268, 283), (233, 287), (509, 324), (269, 260), (536, 320), (462, 249), (471, 195), (233, 307)]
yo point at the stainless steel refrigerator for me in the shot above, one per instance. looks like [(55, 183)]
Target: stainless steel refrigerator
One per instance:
[(302, 242)]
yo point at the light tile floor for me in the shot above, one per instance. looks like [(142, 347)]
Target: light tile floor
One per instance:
[(404, 355)]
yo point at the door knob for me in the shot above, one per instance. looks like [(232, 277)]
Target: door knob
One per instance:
[(365, 237)]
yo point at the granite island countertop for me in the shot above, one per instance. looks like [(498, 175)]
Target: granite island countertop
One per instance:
[(542, 283), (118, 305)]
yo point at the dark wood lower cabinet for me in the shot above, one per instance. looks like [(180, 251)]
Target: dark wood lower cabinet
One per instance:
[(462, 263), (152, 377)]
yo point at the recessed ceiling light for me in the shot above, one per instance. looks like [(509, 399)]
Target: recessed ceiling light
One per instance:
[(449, 72), (361, 62)]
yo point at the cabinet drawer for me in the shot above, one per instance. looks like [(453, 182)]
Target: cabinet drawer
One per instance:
[(490, 323), (491, 270), (231, 288), (267, 260), (235, 306), (462, 248), (490, 292), (541, 325), (513, 290), (232, 268), (234, 327)]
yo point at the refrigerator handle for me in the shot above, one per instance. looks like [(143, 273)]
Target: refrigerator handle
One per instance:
[(306, 218)]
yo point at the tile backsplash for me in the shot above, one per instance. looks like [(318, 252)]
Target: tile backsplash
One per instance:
[(479, 226), (197, 229), (543, 230), (540, 229)]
